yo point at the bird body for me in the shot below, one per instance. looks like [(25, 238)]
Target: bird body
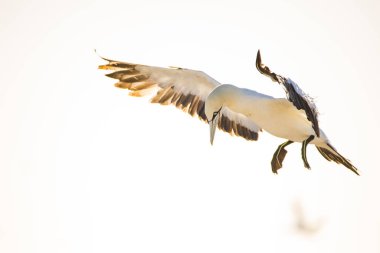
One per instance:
[(238, 111), (288, 122)]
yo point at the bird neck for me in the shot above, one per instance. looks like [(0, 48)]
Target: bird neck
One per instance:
[(239, 99)]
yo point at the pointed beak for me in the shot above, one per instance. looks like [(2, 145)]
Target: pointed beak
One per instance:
[(213, 125)]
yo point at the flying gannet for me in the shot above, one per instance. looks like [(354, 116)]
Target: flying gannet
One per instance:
[(240, 112)]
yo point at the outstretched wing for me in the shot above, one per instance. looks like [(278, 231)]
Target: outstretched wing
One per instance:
[(186, 89), (294, 93)]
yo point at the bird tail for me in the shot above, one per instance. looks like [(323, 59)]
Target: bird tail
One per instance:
[(331, 154)]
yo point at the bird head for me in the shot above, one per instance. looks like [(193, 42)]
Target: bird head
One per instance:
[(212, 111)]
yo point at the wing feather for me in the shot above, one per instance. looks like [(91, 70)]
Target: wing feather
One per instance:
[(294, 93), (184, 88), (237, 124)]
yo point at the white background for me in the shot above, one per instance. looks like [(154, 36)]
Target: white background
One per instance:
[(86, 168)]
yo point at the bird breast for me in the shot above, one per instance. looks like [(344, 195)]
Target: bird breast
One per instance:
[(280, 118)]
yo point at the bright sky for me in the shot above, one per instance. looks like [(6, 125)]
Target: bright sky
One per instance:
[(86, 168)]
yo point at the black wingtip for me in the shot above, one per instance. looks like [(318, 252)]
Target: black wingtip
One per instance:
[(258, 60), (261, 67)]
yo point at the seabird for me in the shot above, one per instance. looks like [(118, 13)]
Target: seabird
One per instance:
[(238, 111)]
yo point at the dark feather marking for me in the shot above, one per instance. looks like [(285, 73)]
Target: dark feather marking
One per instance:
[(168, 95), (124, 65), (184, 100), (187, 100), (226, 124), (254, 135), (121, 73), (301, 103), (175, 97), (338, 158), (158, 95), (246, 132), (234, 127), (229, 126), (222, 123), (323, 154), (201, 110), (239, 130), (193, 106), (180, 100)]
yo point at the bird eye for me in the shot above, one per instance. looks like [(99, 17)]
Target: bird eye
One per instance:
[(215, 114)]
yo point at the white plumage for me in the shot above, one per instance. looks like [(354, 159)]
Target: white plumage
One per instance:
[(241, 112)]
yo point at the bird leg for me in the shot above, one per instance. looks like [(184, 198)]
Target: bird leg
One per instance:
[(303, 151), (279, 156)]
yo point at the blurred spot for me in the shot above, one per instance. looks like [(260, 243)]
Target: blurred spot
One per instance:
[(303, 223)]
